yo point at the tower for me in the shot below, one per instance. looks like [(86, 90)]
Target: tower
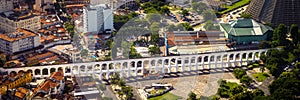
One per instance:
[(275, 11), (97, 18)]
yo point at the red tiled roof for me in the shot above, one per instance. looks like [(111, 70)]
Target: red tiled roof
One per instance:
[(57, 75)]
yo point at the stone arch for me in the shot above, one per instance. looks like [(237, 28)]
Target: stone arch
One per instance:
[(45, 71), (167, 61), (179, 61), (256, 55), (205, 58), (60, 69), (225, 57), (218, 58), (118, 65), (67, 69), (173, 61), (244, 55), (139, 72), (89, 68), (250, 55), (97, 67), (13, 72), (263, 52), (231, 56), (75, 68), (199, 59), (104, 66), (52, 70), (237, 56), (111, 66), (193, 60), (146, 63), (186, 60), (159, 62), (37, 72), (29, 71), (125, 65), (139, 64), (21, 72), (152, 63), (212, 58), (132, 64), (165, 70), (82, 68)]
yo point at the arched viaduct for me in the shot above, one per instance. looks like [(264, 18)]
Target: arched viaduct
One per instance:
[(137, 67)]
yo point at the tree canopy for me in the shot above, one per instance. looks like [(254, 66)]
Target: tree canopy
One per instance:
[(239, 73), (199, 7)]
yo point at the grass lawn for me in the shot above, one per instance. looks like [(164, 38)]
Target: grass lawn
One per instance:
[(260, 76), (167, 96), (234, 6)]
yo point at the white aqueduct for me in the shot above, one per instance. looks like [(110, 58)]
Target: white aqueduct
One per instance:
[(137, 67)]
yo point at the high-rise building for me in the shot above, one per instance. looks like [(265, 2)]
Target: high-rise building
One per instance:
[(275, 11), (97, 18), (12, 20), (6, 5)]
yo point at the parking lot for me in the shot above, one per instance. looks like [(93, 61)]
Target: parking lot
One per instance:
[(235, 14)]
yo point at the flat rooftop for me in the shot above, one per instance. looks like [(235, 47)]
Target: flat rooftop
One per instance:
[(19, 34), (17, 15)]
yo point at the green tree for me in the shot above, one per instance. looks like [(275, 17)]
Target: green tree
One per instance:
[(192, 96), (264, 44), (209, 25), (236, 90), (127, 90), (165, 10), (187, 26), (280, 35), (184, 12), (154, 39), (246, 80), (154, 28), (70, 28), (246, 15), (134, 54), (154, 50), (199, 7), (258, 92), (153, 17), (208, 15), (239, 73), (295, 35)]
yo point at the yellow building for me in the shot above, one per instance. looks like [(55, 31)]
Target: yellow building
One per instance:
[(19, 81)]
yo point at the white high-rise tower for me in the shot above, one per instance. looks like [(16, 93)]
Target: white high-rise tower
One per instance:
[(97, 18)]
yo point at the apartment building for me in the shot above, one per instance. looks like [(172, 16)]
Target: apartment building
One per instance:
[(12, 20), (18, 41), (6, 5), (97, 18), (40, 5)]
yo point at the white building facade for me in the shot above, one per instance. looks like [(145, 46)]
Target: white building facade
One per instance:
[(18, 41), (97, 18)]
